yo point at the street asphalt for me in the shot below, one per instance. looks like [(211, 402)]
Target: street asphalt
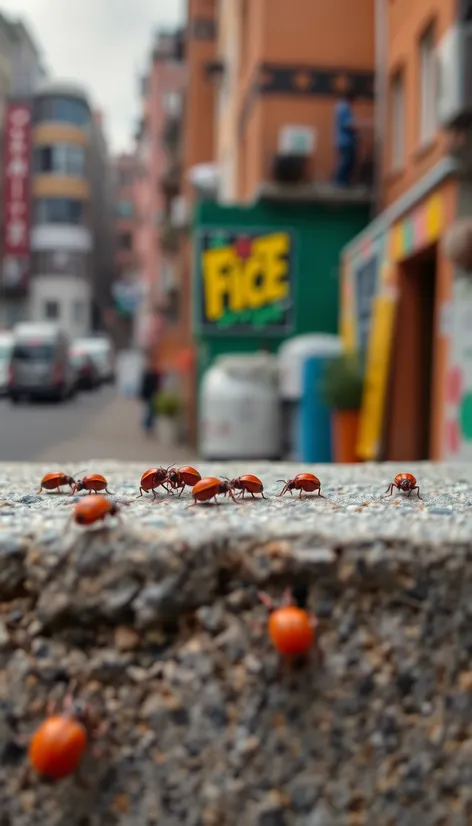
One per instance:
[(27, 430), (99, 425)]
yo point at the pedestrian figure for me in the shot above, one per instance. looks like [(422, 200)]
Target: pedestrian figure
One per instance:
[(150, 384)]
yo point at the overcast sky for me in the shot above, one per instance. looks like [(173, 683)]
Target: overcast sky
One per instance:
[(102, 44)]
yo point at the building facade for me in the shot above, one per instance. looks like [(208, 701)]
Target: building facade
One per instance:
[(400, 293), (58, 200), (157, 192), (61, 236), (279, 70)]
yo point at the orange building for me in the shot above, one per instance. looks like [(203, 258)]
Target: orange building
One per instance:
[(280, 67), (399, 296)]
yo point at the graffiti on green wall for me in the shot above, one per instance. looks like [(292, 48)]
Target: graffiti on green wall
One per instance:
[(245, 281)]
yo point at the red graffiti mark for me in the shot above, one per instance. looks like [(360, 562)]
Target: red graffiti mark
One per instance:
[(243, 247), (454, 386), (453, 439)]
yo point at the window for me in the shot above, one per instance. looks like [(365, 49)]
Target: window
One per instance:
[(51, 310), (62, 110), (125, 178), (428, 116), (125, 241), (398, 120), (58, 211), (60, 262), (125, 209), (60, 159), (172, 103), (78, 312)]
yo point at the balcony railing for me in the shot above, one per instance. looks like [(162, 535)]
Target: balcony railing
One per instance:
[(295, 178)]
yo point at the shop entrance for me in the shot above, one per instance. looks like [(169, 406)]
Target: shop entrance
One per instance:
[(408, 436)]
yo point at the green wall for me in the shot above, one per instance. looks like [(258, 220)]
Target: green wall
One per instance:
[(321, 231)]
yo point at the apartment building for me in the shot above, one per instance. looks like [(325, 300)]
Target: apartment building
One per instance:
[(279, 71), (160, 210), (403, 302), (58, 249)]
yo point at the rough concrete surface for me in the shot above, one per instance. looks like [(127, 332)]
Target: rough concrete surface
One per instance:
[(158, 622)]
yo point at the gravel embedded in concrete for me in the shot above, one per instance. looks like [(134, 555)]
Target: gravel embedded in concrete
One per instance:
[(158, 621)]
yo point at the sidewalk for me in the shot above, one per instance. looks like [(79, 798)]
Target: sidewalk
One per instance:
[(115, 433)]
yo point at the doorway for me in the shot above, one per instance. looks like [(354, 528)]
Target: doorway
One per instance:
[(408, 425)]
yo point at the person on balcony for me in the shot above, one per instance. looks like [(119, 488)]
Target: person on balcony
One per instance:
[(346, 140)]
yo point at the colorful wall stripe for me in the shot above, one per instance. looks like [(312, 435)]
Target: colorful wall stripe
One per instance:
[(420, 227)]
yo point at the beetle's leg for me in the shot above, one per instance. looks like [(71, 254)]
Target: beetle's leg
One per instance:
[(26, 776), (390, 489), (266, 600)]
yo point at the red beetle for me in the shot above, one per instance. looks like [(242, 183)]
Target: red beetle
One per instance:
[(248, 482), (58, 745), (55, 481), (94, 482), (184, 476), (210, 488), (405, 482), (93, 508), (153, 478), (307, 482), (292, 629)]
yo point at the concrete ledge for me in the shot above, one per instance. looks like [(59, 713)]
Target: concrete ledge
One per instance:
[(158, 621)]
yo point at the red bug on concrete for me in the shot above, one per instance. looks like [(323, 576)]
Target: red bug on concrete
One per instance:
[(55, 481), (94, 483), (153, 478), (405, 482), (292, 629), (306, 482), (210, 488), (184, 476), (58, 745), (248, 483), (94, 508)]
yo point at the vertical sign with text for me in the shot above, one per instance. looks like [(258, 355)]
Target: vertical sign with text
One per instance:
[(17, 162)]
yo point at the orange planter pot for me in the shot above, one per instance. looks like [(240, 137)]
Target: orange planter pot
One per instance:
[(344, 425)]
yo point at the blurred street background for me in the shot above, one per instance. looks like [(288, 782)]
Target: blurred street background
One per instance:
[(235, 230)]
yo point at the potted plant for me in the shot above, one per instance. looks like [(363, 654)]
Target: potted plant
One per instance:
[(167, 409), (343, 385)]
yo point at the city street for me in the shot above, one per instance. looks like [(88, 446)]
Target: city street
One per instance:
[(98, 425)]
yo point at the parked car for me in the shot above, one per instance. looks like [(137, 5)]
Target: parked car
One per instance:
[(101, 350), (6, 347), (41, 364), (88, 377)]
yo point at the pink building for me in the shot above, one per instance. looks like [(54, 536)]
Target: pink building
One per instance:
[(125, 218), (156, 189)]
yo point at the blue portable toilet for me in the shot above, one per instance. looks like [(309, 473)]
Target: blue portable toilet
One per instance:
[(307, 428)]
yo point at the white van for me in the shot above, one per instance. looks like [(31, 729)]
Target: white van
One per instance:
[(41, 363)]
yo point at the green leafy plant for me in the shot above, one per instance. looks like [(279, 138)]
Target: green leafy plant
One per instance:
[(167, 404), (343, 382)]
